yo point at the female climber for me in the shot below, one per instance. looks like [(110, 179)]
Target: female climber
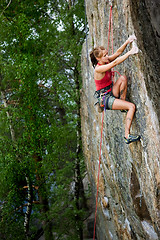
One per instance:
[(113, 95)]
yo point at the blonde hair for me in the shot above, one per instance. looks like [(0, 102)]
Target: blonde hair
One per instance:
[(96, 53)]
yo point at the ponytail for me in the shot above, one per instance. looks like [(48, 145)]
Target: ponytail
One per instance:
[(93, 59), (97, 52)]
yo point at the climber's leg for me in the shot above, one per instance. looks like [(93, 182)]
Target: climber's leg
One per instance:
[(120, 88), (121, 104)]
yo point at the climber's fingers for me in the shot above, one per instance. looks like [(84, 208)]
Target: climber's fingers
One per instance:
[(134, 50), (132, 38)]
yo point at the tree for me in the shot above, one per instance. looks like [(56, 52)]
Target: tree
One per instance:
[(41, 157)]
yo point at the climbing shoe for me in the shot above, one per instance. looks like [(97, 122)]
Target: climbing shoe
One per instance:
[(131, 138)]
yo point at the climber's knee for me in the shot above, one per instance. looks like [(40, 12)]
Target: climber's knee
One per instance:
[(132, 107)]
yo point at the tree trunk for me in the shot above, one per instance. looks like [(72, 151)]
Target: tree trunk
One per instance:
[(29, 184), (79, 189), (43, 199), (29, 207)]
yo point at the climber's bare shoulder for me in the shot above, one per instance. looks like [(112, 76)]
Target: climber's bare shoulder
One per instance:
[(103, 68), (98, 75)]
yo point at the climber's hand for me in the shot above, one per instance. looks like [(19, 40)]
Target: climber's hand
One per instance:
[(132, 38), (134, 50)]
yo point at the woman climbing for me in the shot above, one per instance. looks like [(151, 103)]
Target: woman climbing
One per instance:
[(113, 95)]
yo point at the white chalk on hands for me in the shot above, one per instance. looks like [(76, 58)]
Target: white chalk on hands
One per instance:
[(132, 38), (135, 50)]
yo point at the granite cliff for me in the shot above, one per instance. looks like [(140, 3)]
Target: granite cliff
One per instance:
[(129, 190)]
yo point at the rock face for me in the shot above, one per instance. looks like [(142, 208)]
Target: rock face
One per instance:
[(129, 189)]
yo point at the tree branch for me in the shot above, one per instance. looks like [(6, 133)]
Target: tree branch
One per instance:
[(8, 115), (6, 7)]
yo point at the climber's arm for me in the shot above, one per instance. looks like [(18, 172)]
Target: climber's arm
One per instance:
[(121, 49), (118, 52), (107, 67)]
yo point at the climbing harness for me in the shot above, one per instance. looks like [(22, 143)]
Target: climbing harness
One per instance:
[(101, 95), (102, 99)]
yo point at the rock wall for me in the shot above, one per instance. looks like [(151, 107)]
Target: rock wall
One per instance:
[(129, 190)]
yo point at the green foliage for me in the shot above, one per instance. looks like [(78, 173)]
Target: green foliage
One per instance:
[(40, 46)]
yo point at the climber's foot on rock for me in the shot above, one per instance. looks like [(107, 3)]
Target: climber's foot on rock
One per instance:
[(131, 138)]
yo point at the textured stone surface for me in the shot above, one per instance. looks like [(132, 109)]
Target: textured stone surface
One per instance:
[(129, 191)]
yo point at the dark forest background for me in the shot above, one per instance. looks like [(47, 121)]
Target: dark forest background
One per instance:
[(41, 161)]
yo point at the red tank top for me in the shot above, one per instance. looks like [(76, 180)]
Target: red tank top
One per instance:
[(105, 81)]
